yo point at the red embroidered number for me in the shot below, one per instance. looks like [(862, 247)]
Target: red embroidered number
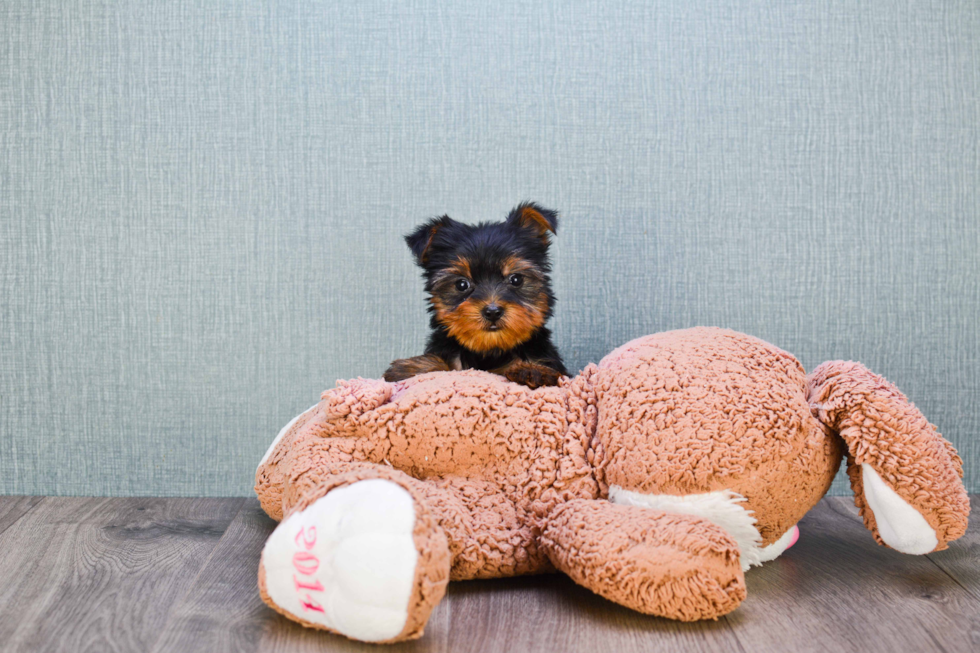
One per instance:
[(306, 564)]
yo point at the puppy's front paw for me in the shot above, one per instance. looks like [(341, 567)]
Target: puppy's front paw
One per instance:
[(406, 368), (531, 374)]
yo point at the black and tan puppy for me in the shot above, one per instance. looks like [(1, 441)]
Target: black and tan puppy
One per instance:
[(489, 297)]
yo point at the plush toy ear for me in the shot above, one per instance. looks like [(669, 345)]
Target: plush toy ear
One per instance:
[(529, 215), (420, 240), (907, 479)]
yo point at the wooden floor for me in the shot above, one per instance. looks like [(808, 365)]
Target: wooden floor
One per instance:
[(179, 575)]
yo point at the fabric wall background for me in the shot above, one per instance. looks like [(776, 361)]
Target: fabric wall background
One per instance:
[(201, 202)]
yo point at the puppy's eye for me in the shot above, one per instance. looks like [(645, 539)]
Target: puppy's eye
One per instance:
[(516, 280), (462, 285)]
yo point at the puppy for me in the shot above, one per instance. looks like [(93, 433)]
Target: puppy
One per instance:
[(489, 297)]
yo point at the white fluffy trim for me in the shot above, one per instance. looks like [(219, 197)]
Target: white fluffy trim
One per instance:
[(720, 508)]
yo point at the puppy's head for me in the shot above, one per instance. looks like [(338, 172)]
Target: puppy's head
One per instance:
[(488, 284)]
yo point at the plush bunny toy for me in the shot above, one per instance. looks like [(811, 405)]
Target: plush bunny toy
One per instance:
[(655, 479)]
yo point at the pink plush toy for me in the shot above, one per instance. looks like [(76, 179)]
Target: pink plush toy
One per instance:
[(655, 479)]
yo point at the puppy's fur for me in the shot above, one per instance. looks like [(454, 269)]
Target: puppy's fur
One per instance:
[(489, 297)]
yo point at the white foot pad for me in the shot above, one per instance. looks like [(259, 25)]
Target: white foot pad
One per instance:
[(347, 562), (901, 526)]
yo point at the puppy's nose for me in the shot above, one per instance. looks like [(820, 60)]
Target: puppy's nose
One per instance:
[(492, 312)]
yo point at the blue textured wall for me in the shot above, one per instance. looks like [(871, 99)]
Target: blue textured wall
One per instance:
[(201, 202)]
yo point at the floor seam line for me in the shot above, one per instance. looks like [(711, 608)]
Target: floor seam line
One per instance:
[(21, 516), (197, 576), (951, 576)]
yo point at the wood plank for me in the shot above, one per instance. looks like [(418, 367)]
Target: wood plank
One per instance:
[(962, 559), (102, 574), (835, 589), (551, 613), (125, 574), (838, 590), (13, 508), (537, 613), (222, 611)]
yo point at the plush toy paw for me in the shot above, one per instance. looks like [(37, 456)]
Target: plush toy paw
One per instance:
[(672, 565), (350, 562)]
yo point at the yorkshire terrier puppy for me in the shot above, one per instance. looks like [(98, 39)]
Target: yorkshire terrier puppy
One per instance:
[(489, 297)]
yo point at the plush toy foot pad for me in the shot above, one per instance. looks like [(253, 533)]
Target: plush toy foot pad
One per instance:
[(347, 562)]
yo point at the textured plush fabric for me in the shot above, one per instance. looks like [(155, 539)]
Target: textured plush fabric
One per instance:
[(499, 457), (715, 410), (518, 479), (202, 202), (616, 551)]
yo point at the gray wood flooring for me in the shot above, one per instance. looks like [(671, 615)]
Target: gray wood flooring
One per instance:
[(178, 575)]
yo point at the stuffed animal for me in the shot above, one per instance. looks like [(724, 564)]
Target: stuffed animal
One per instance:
[(655, 479)]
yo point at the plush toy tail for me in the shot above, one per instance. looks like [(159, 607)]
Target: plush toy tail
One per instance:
[(906, 478)]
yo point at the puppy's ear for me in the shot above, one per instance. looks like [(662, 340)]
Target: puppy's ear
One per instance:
[(420, 240), (529, 215)]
